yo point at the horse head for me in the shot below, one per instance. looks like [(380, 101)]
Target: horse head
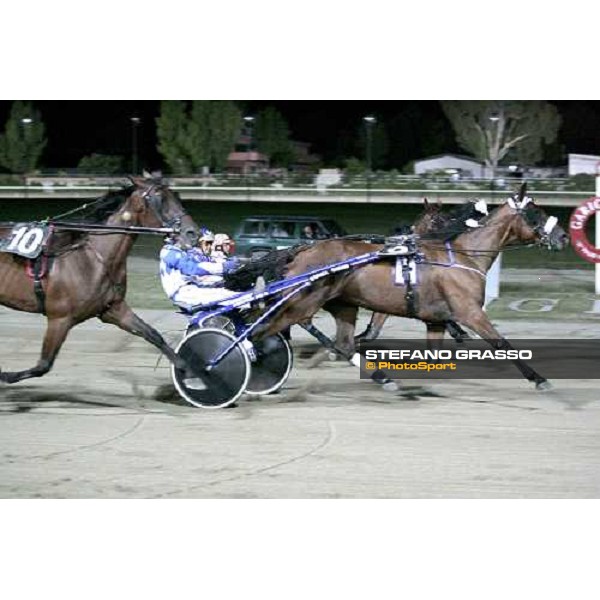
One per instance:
[(430, 219), (152, 204), (531, 224)]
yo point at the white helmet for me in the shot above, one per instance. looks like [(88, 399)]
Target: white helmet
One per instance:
[(222, 238)]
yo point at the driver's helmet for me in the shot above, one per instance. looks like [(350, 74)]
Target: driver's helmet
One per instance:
[(205, 241), (206, 235), (223, 246)]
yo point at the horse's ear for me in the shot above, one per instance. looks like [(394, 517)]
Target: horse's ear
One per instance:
[(426, 203), (137, 181), (522, 191)]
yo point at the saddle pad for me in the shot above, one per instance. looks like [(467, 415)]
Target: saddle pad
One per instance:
[(398, 273), (26, 239)]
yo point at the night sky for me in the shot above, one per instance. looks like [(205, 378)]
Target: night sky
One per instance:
[(77, 128)]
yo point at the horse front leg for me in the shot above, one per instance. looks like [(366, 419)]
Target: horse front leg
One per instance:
[(56, 333), (374, 327), (456, 331), (435, 334), (123, 317), (474, 318)]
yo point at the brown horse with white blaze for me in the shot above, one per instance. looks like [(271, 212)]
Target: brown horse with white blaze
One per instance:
[(86, 272), (452, 277)]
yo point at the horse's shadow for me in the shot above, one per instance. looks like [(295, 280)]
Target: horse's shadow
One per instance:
[(25, 399), (163, 394)]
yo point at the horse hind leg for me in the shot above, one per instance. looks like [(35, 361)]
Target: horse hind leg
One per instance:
[(56, 333), (345, 320)]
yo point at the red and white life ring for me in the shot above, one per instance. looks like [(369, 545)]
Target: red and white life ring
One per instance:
[(577, 223)]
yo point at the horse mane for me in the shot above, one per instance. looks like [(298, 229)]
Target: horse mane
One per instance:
[(95, 213), (454, 223), (100, 210)]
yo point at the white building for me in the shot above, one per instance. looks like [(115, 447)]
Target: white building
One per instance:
[(466, 166), (327, 177), (583, 163)]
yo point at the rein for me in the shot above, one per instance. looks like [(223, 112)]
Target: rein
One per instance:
[(453, 263), (99, 228), (475, 251)]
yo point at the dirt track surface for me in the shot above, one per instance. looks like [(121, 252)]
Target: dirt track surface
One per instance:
[(105, 423)]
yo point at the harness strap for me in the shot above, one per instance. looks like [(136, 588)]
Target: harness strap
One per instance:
[(409, 294), (37, 269), (451, 256), (452, 262)]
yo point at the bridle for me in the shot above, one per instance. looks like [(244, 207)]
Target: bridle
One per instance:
[(523, 208), (154, 201)]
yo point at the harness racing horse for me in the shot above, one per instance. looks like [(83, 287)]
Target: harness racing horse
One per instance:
[(432, 222), (452, 277), (435, 223), (86, 272)]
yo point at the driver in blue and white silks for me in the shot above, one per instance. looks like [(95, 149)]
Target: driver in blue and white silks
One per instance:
[(190, 276)]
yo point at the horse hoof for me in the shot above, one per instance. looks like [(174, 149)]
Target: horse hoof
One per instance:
[(543, 386), (390, 386), (332, 356), (319, 357), (7, 377)]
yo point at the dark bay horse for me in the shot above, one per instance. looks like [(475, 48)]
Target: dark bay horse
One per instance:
[(452, 278), (434, 223), (86, 272)]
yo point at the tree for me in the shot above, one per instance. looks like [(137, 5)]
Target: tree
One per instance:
[(23, 140), (490, 130), (273, 137), (171, 128), (224, 125), (101, 164), (197, 134)]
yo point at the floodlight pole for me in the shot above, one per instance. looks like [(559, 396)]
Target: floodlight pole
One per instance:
[(26, 121), (369, 122), (135, 122)]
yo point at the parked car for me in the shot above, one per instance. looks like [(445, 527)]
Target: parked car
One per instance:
[(260, 234)]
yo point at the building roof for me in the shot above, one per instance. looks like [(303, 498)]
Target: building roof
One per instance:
[(246, 156), (447, 154)]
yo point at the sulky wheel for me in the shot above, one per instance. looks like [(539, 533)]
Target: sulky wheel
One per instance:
[(219, 322), (272, 365), (224, 383)]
